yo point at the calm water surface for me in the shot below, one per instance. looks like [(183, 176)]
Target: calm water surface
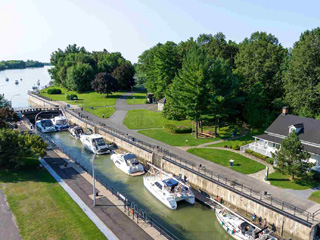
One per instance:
[(187, 222), (30, 77)]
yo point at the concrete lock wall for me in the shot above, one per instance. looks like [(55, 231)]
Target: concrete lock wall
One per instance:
[(290, 227)]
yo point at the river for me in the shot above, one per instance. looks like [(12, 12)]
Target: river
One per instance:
[(187, 222), (18, 92)]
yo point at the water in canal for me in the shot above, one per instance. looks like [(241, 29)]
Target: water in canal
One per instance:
[(187, 222), (18, 92)]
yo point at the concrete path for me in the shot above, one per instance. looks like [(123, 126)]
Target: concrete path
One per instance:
[(8, 225), (303, 194), (122, 226)]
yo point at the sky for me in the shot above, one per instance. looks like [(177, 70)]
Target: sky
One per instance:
[(33, 29)]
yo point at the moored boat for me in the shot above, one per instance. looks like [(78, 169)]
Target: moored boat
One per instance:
[(60, 123), (128, 163), (240, 229), (166, 188), (94, 143), (75, 131), (45, 126), (16, 82)]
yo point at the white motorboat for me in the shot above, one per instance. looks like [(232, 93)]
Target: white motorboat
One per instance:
[(166, 188), (240, 229), (76, 131), (60, 123), (128, 163), (34, 88), (45, 126), (94, 143)]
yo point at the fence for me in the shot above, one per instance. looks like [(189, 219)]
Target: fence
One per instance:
[(300, 215), (131, 208)]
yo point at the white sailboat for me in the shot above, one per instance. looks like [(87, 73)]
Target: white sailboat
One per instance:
[(166, 188), (94, 143), (128, 163)]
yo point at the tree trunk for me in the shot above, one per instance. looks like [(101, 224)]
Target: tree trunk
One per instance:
[(219, 124), (215, 127), (292, 176), (197, 129), (201, 123)]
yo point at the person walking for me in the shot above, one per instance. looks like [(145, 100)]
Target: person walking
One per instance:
[(102, 115)]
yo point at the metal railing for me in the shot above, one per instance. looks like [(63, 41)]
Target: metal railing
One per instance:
[(131, 208), (285, 208)]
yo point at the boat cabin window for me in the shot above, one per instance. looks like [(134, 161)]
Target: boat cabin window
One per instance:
[(99, 141), (61, 122), (158, 185), (46, 123)]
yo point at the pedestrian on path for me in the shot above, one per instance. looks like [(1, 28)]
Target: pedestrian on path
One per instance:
[(102, 115)]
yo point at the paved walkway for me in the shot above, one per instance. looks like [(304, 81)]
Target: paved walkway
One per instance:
[(121, 225), (8, 225), (246, 180)]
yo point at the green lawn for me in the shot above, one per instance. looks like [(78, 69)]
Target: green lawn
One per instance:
[(42, 208), (89, 99), (175, 139), (248, 138), (222, 157), (315, 196), (98, 111), (137, 98), (281, 180), (142, 119)]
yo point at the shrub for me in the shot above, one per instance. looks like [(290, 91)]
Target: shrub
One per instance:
[(174, 129), (54, 91), (236, 147), (258, 155), (72, 97), (270, 161)]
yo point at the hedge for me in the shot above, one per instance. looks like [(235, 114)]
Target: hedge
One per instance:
[(72, 97), (177, 129), (259, 155), (54, 91)]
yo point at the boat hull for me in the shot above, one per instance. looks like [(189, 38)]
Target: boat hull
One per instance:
[(131, 171)]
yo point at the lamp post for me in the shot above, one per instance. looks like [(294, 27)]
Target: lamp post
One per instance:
[(94, 182), (13, 97)]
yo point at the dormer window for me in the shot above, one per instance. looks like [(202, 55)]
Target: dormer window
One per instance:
[(298, 128)]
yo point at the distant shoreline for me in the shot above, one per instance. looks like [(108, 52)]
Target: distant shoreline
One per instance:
[(19, 64)]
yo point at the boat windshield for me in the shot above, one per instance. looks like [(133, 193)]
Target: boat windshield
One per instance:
[(99, 141), (61, 122), (46, 123)]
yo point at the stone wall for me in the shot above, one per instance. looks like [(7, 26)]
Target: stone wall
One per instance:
[(291, 228)]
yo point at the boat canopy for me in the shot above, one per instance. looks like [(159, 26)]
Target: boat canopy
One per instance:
[(129, 156), (170, 182)]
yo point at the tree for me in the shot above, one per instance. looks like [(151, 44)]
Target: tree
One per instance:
[(79, 77), (14, 146), (110, 61), (260, 59), (291, 158), (6, 114), (302, 79), (124, 74), (104, 83), (189, 89)]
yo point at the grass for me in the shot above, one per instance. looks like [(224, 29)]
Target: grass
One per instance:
[(88, 99), (222, 157), (142, 119), (282, 180), (98, 111), (42, 208), (315, 196), (175, 139), (248, 138), (137, 98)]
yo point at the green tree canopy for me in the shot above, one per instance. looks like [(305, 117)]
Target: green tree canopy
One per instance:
[(124, 74), (302, 79), (14, 146), (79, 77), (291, 158)]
